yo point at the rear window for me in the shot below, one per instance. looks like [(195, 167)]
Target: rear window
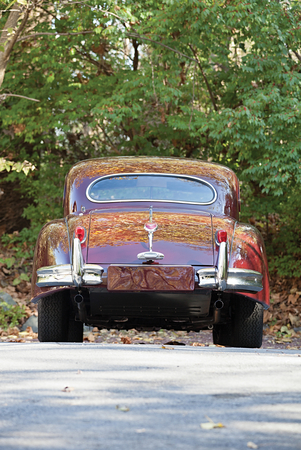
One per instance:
[(145, 187)]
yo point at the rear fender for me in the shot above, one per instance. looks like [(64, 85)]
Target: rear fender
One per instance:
[(52, 248), (248, 252)]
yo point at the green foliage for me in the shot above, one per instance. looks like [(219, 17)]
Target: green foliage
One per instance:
[(23, 277), (9, 262), (191, 78), (22, 243), (10, 315)]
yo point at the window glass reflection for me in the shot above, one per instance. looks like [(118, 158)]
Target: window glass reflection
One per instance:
[(151, 187)]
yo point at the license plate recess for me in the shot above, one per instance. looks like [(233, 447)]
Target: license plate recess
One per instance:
[(150, 278)]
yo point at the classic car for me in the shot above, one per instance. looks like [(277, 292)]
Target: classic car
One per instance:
[(150, 243)]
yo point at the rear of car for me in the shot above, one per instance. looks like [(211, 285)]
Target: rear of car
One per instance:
[(147, 249)]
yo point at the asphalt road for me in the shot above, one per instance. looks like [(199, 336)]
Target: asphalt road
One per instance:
[(148, 397)]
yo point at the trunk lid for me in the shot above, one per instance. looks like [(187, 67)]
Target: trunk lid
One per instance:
[(116, 237)]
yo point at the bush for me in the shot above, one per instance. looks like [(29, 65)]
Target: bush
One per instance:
[(10, 315)]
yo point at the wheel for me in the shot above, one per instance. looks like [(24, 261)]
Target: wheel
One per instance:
[(222, 334), (53, 317), (75, 331), (247, 324)]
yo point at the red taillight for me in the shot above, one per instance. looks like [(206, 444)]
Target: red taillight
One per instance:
[(221, 236), (80, 233)]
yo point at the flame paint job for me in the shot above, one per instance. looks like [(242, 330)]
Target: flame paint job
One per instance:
[(185, 234)]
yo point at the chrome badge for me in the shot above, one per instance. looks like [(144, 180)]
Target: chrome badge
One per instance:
[(150, 227)]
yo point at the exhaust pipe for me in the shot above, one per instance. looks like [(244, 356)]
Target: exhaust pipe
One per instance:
[(217, 311), (79, 301)]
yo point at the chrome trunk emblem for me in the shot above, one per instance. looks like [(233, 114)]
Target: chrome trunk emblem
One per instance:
[(150, 227)]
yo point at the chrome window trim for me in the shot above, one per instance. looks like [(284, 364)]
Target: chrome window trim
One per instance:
[(200, 180)]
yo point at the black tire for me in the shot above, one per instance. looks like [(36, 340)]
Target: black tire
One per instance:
[(53, 317), (222, 334), (75, 331), (247, 324)]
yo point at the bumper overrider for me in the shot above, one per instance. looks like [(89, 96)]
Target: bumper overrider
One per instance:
[(79, 274)]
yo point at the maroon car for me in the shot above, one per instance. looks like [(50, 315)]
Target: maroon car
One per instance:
[(148, 243)]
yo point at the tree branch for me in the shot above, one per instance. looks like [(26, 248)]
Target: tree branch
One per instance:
[(87, 57), (195, 59), (3, 97), (143, 38), (101, 64), (46, 11), (55, 34), (9, 41), (296, 54), (204, 76), (109, 140)]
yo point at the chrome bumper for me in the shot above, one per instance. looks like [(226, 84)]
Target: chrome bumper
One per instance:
[(79, 274), (242, 280), (76, 274), (63, 275), (224, 279)]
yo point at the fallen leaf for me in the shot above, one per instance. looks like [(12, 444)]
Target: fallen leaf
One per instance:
[(197, 344), (252, 445), (293, 319), (210, 425), (122, 408), (23, 333), (68, 389), (126, 340), (283, 340), (91, 337), (167, 348), (292, 299)]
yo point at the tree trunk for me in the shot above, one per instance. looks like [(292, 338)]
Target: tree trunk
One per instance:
[(8, 40)]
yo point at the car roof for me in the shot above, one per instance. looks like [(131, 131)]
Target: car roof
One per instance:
[(98, 167), (85, 172)]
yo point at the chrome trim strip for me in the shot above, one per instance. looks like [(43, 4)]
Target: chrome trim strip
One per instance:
[(200, 180)]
